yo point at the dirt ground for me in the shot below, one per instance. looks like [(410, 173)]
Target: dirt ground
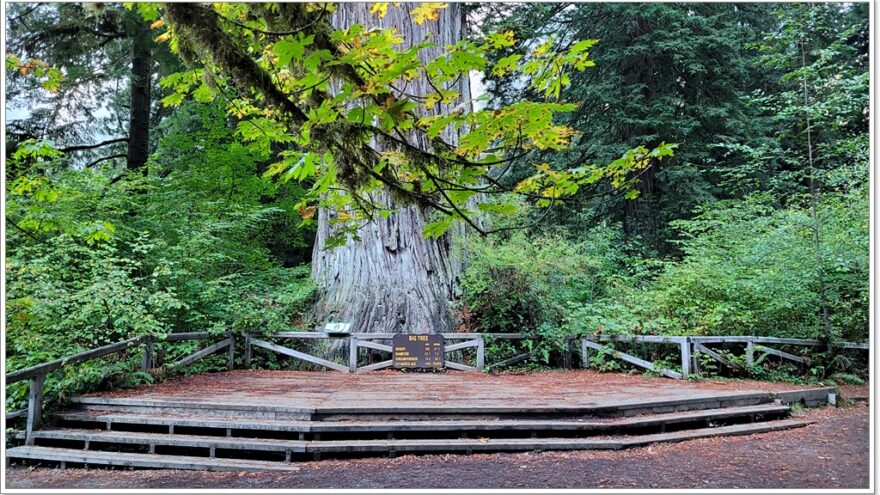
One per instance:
[(833, 453)]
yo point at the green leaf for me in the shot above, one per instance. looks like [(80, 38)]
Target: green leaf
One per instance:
[(304, 168), (204, 94), (500, 40), (504, 209), (173, 100), (357, 115), (292, 49), (581, 46), (506, 64), (438, 228)]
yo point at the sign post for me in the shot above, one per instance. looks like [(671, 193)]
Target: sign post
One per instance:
[(418, 351)]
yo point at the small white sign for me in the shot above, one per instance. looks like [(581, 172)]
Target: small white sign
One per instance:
[(337, 327)]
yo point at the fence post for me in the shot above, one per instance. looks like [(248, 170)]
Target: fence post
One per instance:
[(147, 359), (35, 408), (695, 359), (481, 354), (585, 354), (750, 353), (230, 357), (566, 350), (352, 353), (248, 351), (685, 358)]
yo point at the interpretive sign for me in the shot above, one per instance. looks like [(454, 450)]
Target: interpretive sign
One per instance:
[(337, 327), (418, 351)]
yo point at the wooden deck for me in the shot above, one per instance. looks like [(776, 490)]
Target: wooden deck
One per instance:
[(255, 420), (314, 392)]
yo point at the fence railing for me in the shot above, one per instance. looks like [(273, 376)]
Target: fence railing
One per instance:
[(372, 341), (37, 374), (691, 347)]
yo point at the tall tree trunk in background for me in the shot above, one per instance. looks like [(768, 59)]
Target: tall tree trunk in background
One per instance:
[(392, 280), (139, 116), (827, 333), (640, 214)]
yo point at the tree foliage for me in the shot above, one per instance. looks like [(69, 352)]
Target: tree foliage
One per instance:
[(327, 94), (201, 243), (763, 209)]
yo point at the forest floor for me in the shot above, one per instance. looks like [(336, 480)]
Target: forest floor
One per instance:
[(832, 453)]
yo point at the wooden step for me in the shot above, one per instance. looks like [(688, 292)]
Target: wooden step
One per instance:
[(144, 460), (412, 445), (761, 410), (270, 411), (197, 441), (192, 407), (296, 426), (513, 444), (732, 430)]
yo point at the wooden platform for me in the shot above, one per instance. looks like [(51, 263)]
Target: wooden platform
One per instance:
[(455, 392), (264, 420)]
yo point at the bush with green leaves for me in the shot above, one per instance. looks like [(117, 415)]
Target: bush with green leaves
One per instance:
[(98, 255), (528, 283), (748, 269)]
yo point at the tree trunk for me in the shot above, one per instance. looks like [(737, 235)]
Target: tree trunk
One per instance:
[(392, 279), (640, 214), (139, 116)]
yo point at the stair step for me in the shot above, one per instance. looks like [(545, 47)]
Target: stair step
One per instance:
[(197, 441), (432, 426), (295, 426), (144, 460), (732, 430), (405, 445), (419, 411), (475, 444)]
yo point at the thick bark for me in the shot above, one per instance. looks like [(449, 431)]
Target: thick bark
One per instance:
[(139, 116), (392, 279)]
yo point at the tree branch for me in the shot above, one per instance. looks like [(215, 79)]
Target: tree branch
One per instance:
[(111, 157), (25, 232), (70, 149), (275, 33), (200, 24)]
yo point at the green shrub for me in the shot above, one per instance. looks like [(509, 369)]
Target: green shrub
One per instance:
[(100, 255), (519, 282), (748, 269)]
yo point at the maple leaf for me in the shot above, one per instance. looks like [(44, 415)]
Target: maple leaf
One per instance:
[(428, 11), (380, 9)]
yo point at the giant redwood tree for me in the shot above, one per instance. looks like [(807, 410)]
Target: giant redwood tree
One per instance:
[(369, 105), (394, 279)]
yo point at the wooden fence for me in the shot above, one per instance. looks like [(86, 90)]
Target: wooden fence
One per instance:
[(37, 374), (373, 341), (690, 349)]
